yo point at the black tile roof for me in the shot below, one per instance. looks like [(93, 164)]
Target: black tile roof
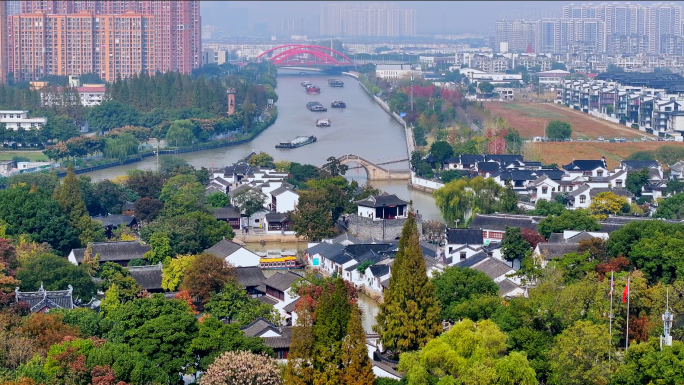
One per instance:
[(464, 237), (499, 223), (584, 165), (473, 260), (276, 217), (115, 220), (639, 164), (223, 248), (617, 191), (557, 250), (149, 277), (225, 213), (505, 159), (290, 307), (382, 200), (379, 270), (282, 281), (251, 276), (506, 286), (41, 299), (487, 166), (114, 251)]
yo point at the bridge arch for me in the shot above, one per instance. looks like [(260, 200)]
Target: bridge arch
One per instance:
[(318, 52), (374, 171)]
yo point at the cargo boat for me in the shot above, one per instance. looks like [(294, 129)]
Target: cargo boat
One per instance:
[(312, 89), (316, 107), (338, 104), (335, 83), (323, 122), (297, 142)]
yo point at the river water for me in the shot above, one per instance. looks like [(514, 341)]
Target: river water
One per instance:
[(363, 128)]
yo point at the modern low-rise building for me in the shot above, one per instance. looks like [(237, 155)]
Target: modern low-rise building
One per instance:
[(16, 119)]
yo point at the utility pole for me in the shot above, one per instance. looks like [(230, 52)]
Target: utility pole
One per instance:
[(666, 338), (411, 90)]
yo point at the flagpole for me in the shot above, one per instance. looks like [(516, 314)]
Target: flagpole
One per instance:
[(610, 317), (627, 336)]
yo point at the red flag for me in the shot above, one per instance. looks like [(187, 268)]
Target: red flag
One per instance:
[(625, 293)]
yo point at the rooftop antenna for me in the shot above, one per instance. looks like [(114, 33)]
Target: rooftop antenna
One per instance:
[(666, 338)]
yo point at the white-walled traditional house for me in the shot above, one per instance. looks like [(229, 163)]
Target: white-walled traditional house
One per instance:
[(284, 199), (234, 254)]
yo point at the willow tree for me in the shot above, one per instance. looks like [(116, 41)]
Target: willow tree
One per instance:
[(409, 315), (460, 199)]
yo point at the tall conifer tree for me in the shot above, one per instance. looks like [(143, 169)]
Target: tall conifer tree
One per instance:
[(68, 195), (357, 367), (329, 329), (299, 370), (409, 315)]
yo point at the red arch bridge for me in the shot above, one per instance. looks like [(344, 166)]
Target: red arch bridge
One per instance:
[(292, 55)]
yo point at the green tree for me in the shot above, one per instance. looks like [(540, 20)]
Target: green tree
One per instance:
[(442, 151), (234, 305), (335, 167), (636, 180), (647, 363), (462, 198), (146, 183), (557, 130), (182, 194), (174, 270), (513, 245), (332, 315), (249, 201), (129, 365), (68, 195), (160, 329), (409, 315), (121, 147), (486, 87), (214, 337), (456, 285), (87, 320), (189, 233), (55, 273), (180, 133), (671, 208), (112, 114), (31, 211), (467, 354), (568, 220), (261, 159), (313, 217), (580, 355), (160, 248), (357, 368), (545, 208), (218, 199)]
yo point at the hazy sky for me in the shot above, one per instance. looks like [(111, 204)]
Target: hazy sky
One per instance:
[(433, 16)]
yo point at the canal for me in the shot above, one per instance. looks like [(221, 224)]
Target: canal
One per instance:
[(363, 128)]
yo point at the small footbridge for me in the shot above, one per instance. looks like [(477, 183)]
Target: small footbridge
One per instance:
[(374, 170)]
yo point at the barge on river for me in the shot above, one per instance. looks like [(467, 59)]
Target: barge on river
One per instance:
[(335, 83), (338, 104), (297, 142), (316, 107), (312, 89)]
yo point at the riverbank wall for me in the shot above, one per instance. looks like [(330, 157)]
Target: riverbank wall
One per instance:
[(425, 185)]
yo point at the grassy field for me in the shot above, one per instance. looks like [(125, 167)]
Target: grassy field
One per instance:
[(565, 152), (530, 119), (34, 156)]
